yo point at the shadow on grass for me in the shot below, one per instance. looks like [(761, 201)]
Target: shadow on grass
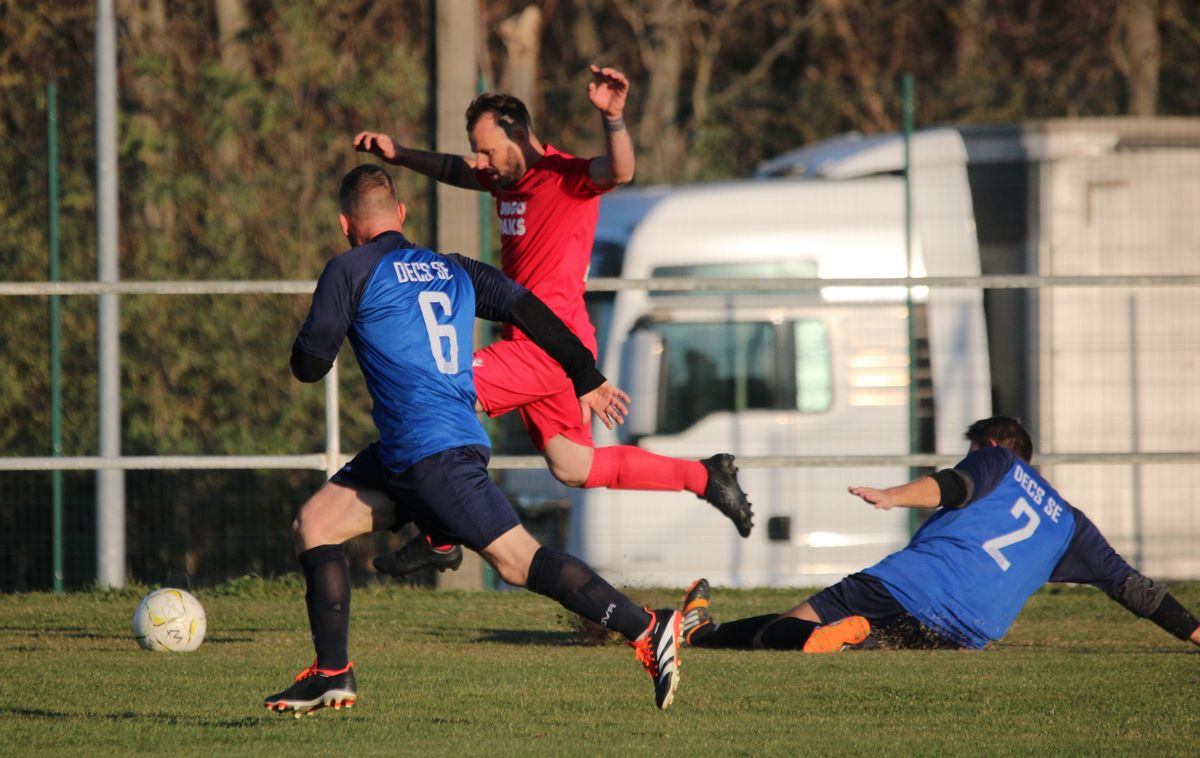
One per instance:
[(530, 637), (76, 633), (70, 632), (226, 640), (169, 719)]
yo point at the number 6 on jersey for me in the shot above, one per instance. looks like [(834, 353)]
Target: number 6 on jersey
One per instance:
[(447, 363)]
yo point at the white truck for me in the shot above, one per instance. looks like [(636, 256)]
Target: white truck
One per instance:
[(826, 372), (822, 372)]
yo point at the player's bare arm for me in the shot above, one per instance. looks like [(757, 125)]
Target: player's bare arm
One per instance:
[(609, 403), (455, 170), (607, 92), (921, 493)]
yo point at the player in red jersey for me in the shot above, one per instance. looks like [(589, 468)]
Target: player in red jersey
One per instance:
[(548, 202)]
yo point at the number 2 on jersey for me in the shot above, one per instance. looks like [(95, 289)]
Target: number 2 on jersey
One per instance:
[(447, 363), (992, 546)]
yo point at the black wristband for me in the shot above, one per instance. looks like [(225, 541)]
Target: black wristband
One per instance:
[(1174, 618), (614, 124)]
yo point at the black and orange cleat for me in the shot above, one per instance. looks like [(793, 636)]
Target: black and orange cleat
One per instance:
[(315, 689), (725, 494), (832, 638), (696, 614), (658, 651)]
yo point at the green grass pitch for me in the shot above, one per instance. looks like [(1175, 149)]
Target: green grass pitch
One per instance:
[(505, 674)]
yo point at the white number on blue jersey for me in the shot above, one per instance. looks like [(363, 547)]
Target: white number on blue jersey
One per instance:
[(992, 546), (447, 363)]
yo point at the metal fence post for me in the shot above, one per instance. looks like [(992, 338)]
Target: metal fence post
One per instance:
[(110, 483), (56, 477)]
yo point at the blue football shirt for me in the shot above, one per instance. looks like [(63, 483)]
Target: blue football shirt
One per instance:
[(409, 314), (967, 572)]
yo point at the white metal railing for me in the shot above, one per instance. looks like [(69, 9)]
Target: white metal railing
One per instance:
[(320, 461), (332, 458), (614, 284), (110, 518)]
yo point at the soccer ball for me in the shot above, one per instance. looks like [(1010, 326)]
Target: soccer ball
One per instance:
[(169, 619)]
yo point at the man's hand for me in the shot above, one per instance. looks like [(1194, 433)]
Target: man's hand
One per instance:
[(607, 91), (878, 498), (607, 402), (376, 143)]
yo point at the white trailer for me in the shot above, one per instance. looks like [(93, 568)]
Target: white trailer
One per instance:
[(1101, 370)]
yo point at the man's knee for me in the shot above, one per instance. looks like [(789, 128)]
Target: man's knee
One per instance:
[(570, 474), (337, 513), (511, 554), (569, 462), (513, 566), (311, 526), (513, 574)]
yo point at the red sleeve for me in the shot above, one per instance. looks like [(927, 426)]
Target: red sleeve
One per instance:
[(575, 179)]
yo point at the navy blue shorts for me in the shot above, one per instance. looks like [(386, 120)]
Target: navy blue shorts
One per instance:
[(891, 625), (449, 495), (857, 595)]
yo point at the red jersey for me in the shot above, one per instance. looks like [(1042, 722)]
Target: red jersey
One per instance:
[(547, 225)]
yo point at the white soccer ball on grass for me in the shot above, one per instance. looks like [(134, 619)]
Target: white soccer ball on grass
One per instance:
[(169, 619)]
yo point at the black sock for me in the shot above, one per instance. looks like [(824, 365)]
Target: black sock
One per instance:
[(578, 588), (328, 598), (787, 633), (738, 633)]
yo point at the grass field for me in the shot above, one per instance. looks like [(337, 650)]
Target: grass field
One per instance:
[(504, 673)]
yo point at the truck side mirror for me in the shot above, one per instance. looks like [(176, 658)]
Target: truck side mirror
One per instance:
[(641, 373)]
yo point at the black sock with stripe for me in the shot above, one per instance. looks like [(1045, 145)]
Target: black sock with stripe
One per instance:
[(578, 588)]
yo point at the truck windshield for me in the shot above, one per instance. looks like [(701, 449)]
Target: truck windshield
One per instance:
[(736, 366)]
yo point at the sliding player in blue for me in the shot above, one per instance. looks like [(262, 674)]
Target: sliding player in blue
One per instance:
[(409, 313), (1001, 531)]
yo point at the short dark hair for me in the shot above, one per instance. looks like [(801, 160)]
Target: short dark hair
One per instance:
[(1005, 431), (509, 112), (366, 190)]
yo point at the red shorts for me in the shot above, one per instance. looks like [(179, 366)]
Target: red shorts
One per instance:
[(518, 375)]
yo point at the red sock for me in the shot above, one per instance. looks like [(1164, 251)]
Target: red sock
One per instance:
[(625, 467), (439, 548)]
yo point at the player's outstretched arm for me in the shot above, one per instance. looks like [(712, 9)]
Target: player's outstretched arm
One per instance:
[(454, 170), (1090, 559), (1141, 595), (920, 493), (1174, 619), (607, 92)]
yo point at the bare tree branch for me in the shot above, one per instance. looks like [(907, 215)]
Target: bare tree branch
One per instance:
[(784, 44), (861, 69)]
